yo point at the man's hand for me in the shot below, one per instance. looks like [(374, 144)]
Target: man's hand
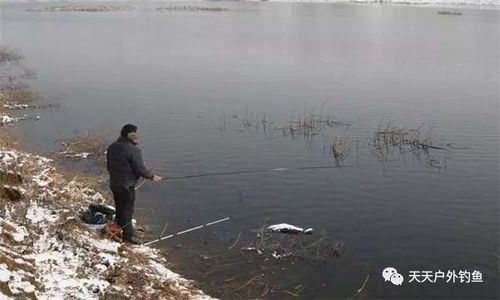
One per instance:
[(157, 178)]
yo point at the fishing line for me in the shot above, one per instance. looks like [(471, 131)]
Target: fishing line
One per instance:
[(252, 171)]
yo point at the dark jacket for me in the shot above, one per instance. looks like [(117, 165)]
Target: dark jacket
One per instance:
[(125, 164)]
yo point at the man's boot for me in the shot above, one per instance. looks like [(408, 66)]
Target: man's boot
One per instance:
[(129, 235), (132, 239)]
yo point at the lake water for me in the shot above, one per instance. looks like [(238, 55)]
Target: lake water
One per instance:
[(190, 79)]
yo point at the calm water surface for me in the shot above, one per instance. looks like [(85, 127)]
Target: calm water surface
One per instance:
[(189, 78)]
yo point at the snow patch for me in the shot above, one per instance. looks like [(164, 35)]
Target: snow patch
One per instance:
[(15, 106), (18, 285), (4, 273), (20, 234), (7, 157), (42, 179), (37, 214), (5, 119), (287, 228)]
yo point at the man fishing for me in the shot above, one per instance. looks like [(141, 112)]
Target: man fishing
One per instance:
[(125, 167)]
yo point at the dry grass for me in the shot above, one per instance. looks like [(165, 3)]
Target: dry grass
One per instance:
[(295, 247), (85, 147), (339, 150), (261, 268), (17, 94), (93, 182), (8, 55), (390, 140), (7, 141), (14, 93), (308, 125)]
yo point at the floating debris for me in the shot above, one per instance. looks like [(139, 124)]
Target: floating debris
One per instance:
[(449, 13), (293, 246), (438, 163), (287, 228)]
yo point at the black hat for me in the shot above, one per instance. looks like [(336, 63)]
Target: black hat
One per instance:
[(128, 129)]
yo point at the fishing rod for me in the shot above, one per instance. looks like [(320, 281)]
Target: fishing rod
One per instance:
[(251, 171), (185, 231)]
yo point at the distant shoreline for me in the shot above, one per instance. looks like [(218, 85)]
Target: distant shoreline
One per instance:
[(495, 4)]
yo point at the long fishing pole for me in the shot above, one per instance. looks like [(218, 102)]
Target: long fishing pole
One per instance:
[(251, 171), (186, 231)]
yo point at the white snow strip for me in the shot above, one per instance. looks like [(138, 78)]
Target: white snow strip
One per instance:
[(79, 155), (13, 106), (4, 273), (287, 228), (284, 227)]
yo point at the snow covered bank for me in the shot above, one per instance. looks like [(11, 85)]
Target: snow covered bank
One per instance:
[(46, 252)]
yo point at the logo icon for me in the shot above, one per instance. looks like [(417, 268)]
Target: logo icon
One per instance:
[(392, 275)]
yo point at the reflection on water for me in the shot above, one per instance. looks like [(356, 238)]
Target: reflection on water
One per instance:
[(264, 86)]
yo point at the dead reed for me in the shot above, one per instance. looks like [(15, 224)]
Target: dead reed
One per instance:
[(339, 149), (391, 140), (84, 147)]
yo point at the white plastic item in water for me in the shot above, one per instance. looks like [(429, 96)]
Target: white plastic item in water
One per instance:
[(287, 228)]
